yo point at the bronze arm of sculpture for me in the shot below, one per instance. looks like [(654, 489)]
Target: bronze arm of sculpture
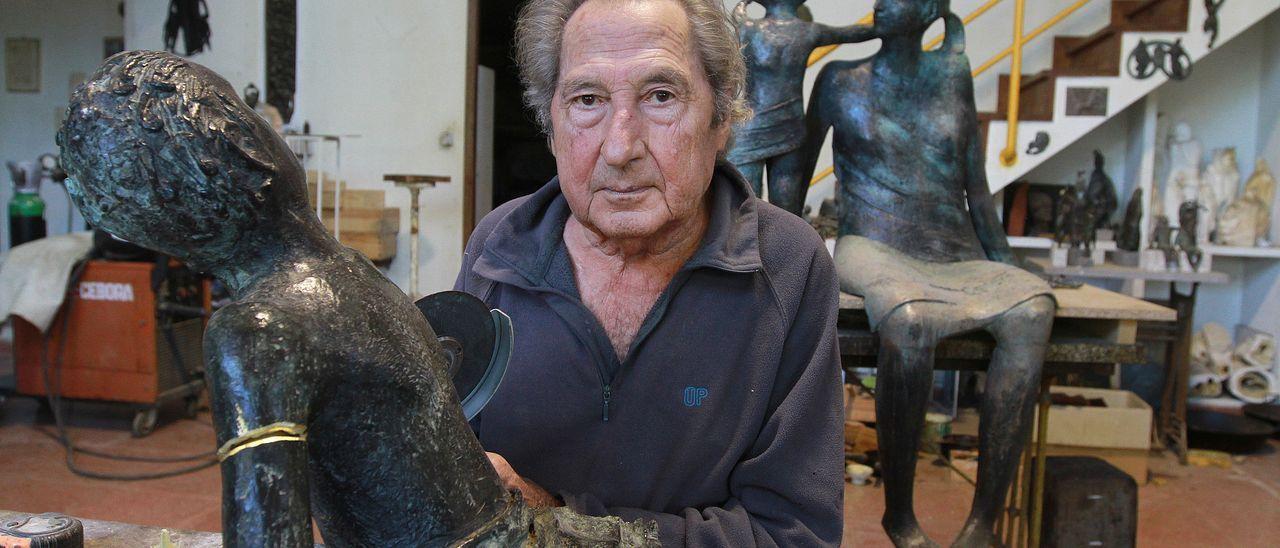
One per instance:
[(274, 476), (827, 35), (983, 210)]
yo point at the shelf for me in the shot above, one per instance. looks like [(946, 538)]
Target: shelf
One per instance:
[(1035, 242), (1243, 252), (1117, 272)]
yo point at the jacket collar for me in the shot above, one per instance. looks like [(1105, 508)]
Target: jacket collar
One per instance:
[(520, 247)]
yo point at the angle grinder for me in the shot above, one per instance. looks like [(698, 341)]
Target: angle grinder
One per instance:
[(477, 344)]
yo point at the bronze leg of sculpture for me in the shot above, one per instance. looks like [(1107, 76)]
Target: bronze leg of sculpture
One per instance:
[(1013, 379), (787, 186), (753, 172), (903, 376)]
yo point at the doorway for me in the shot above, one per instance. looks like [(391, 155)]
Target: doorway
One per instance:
[(518, 156)]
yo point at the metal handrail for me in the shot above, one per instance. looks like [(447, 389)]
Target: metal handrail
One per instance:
[(1009, 155), (1053, 21)]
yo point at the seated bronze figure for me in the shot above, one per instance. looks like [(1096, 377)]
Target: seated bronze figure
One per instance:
[(776, 49), (920, 241), (329, 391)]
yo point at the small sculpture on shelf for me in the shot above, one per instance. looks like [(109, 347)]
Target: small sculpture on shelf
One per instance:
[(329, 390), (1247, 221), (920, 241), (1162, 241), (776, 49), (1100, 198), (1186, 241), (1130, 228)]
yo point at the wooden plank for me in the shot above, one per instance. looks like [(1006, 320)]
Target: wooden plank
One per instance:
[(1092, 302), (351, 198), (1086, 301), (370, 221), (377, 247)]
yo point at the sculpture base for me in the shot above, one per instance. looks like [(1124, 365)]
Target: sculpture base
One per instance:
[(1126, 258)]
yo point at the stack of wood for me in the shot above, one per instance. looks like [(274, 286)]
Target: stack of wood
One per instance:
[(367, 225)]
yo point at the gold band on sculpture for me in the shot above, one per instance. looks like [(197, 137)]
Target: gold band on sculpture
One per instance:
[(271, 433)]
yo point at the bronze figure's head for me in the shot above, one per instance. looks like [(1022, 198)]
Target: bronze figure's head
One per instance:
[(162, 152), (906, 16)]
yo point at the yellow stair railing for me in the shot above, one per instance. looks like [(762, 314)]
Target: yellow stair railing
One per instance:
[(1015, 90)]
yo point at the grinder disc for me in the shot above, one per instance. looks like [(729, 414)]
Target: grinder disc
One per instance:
[(476, 341)]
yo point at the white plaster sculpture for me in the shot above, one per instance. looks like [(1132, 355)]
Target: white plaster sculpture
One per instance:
[(1262, 187), (1246, 221), (1183, 184), (1222, 178), (1257, 350), (1218, 186), (1211, 350)]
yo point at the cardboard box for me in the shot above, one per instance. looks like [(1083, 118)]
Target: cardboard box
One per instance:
[(1125, 423), (1119, 433)]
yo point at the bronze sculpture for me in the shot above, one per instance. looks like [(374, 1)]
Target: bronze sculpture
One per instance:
[(920, 241), (776, 49), (328, 388)]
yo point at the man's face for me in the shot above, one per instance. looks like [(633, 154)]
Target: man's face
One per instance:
[(632, 119)]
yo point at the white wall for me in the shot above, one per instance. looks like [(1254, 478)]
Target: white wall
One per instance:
[(236, 43), (394, 73), (71, 34), (391, 72)]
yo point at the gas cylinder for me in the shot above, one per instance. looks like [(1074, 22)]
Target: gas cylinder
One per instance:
[(26, 209)]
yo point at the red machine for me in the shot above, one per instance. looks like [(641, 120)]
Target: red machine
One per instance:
[(123, 341)]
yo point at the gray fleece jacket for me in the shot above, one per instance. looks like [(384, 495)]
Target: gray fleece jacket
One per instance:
[(724, 423)]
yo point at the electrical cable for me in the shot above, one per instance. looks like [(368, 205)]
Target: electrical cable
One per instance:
[(54, 397)]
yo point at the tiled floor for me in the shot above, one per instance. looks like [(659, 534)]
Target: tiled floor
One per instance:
[(1192, 507)]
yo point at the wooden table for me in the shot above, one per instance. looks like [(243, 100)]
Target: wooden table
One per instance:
[(1172, 422), (1093, 330)]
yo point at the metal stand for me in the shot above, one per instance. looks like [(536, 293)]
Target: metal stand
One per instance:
[(415, 184)]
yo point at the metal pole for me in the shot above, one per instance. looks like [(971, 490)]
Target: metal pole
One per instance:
[(413, 244)]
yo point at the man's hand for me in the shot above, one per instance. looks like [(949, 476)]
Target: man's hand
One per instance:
[(534, 495)]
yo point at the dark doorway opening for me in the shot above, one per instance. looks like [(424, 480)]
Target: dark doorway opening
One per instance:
[(521, 161)]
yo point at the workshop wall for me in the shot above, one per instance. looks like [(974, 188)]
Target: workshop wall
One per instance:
[(394, 73), (71, 34), (391, 72)]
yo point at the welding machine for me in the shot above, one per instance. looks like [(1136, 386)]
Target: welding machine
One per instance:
[(128, 331)]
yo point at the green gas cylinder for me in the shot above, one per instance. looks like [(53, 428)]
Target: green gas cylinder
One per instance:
[(26, 209)]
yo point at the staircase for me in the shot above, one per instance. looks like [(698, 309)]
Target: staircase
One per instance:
[(1098, 61)]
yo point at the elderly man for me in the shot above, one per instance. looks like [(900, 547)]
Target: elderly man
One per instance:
[(675, 336)]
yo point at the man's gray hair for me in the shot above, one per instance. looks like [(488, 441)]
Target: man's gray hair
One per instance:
[(540, 34)]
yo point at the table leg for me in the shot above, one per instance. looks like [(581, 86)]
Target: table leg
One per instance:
[(1042, 442), (1173, 401)]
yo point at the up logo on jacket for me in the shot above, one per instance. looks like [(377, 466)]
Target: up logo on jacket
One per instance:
[(693, 395)]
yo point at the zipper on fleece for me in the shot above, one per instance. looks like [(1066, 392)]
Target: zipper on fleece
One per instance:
[(608, 393)]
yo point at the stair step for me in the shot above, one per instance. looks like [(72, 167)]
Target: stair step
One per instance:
[(1150, 15), (1036, 101), (1095, 55)]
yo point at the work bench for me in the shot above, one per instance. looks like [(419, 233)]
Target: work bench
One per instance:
[(1094, 330)]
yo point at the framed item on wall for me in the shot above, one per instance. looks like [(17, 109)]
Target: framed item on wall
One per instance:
[(22, 64)]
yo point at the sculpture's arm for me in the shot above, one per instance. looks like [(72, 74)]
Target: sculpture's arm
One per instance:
[(827, 35), (982, 207), (816, 124), (255, 359)]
